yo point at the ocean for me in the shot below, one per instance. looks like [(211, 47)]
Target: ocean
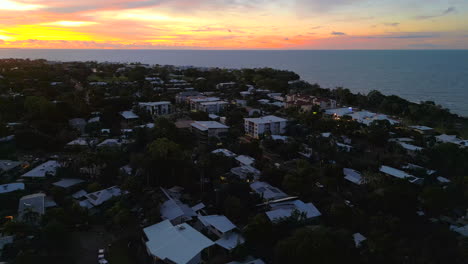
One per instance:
[(416, 75)]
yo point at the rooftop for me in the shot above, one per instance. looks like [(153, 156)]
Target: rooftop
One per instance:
[(154, 103), (205, 125), (267, 191), (11, 187), (266, 119), (129, 115), (69, 182), (43, 170), (285, 209), (219, 222), (179, 244)]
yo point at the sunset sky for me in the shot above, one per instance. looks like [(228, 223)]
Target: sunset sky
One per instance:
[(234, 24)]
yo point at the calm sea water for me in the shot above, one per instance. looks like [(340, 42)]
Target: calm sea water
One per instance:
[(416, 75)]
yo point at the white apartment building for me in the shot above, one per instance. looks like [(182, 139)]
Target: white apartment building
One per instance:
[(255, 127), (156, 108)]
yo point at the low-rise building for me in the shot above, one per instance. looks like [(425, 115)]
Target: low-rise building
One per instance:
[(285, 209), (207, 129), (226, 85), (100, 197), (156, 108), (11, 187), (224, 229), (9, 166), (267, 192), (181, 244), (400, 174), (33, 203), (307, 102), (48, 168), (353, 176), (256, 127)]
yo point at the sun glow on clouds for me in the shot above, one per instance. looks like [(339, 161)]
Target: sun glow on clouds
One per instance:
[(17, 6), (69, 23), (232, 24)]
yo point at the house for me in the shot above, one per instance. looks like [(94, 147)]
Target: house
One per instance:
[(179, 244), (82, 142), (267, 192), (245, 160), (285, 209), (212, 107), (452, 139), (181, 98), (224, 152), (247, 173), (423, 130), (8, 166), (43, 170), (67, 183), (207, 129), (339, 112), (411, 149), (224, 229), (226, 85), (32, 203), (358, 239), (256, 127), (156, 109), (112, 143), (174, 210), (128, 118), (353, 176), (306, 102), (400, 174), (100, 197), (194, 101), (11, 187)]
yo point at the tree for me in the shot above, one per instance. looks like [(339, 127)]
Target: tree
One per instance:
[(316, 244)]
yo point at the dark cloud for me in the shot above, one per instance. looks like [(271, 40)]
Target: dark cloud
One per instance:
[(335, 33), (286, 38), (447, 11), (394, 24), (406, 36)]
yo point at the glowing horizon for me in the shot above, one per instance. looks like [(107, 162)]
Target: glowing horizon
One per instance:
[(234, 24)]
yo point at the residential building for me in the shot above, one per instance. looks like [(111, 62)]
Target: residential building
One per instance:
[(181, 98), (423, 130), (285, 209), (67, 183), (48, 168), (400, 174), (11, 187), (181, 244), (256, 127), (247, 173), (226, 85), (307, 102), (156, 108), (9, 166), (245, 160), (224, 152), (99, 197), (174, 210), (224, 229), (207, 129), (34, 203), (353, 176), (267, 192), (212, 107)]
